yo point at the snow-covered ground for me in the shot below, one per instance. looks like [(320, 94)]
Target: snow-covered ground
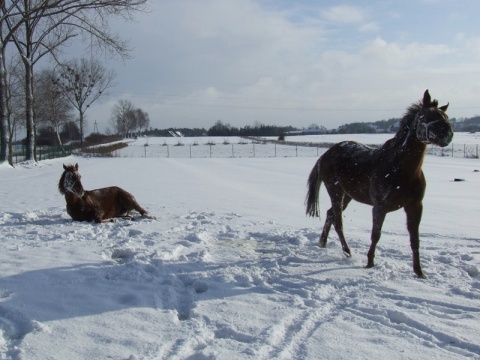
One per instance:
[(210, 147), (230, 269), (463, 145)]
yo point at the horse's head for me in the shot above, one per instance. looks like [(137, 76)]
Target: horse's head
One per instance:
[(431, 123), (70, 181)]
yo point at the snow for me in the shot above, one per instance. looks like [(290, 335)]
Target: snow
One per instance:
[(230, 269), (464, 144)]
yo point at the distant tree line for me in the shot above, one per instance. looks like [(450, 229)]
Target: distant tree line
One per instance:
[(466, 124), (168, 132), (391, 126), (224, 129), (382, 126), (129, 121), (258, 129)]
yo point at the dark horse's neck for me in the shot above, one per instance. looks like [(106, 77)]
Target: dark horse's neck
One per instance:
[(72, 197), (406, 149)]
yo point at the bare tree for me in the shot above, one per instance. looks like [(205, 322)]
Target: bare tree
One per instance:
[(52, 107), (84, 82), (7, 11), (39, 34), (123, 117), (40, 27), (15, 102), (142, 119), (127, 119)]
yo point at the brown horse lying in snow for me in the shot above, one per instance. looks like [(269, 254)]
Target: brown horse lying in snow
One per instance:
[(100, 205)]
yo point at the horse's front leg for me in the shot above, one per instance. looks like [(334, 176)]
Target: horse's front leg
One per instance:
[(414, 215), (378, 215)]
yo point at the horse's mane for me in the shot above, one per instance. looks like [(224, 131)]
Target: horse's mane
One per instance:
[(60, 183)]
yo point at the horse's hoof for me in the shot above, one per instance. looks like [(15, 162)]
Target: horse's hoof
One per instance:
[(421, 275), (347, 252), (369, 266)]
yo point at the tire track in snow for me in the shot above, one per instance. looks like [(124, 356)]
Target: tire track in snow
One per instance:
[(411, 316), (287, 339), (282, 264), (318, 300), (289, 336), (401, 322)]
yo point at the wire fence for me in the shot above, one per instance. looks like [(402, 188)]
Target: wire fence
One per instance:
[(19, 153), (261, 149), (243, 150), (228, 150), (469, 151)]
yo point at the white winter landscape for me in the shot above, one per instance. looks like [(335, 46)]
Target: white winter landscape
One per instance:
[(230, 267)]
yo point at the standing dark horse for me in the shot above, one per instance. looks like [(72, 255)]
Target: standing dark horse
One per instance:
[(388, 178), (99, 205)]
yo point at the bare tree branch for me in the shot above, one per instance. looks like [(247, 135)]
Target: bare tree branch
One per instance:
[(40, 27), (84, 82)]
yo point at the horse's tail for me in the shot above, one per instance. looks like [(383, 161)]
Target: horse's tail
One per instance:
[(313, 184)]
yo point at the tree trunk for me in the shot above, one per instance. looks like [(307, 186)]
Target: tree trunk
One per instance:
[(11, 131), (57, 131), (30, 146), (3, 111), (81, 127)]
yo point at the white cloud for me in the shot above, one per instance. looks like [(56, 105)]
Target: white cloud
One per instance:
[(239, 61), (369, 27), (345, 14), (409, 55)]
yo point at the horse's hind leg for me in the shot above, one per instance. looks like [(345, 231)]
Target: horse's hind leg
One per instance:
[(130, 203), (339, 201), (141, 210), (326, 228), (329, 222)]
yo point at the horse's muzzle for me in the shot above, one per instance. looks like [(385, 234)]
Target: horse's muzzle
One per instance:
[(444, 141)]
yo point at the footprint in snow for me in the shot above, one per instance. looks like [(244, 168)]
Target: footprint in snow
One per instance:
[(14, 325), (123, 255)]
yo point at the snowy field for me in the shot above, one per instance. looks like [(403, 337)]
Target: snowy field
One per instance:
[(210, 147), (463, 145), (230, 269)]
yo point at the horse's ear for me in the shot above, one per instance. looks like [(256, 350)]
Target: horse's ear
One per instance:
[(427, 100), (76, 167), (64, 167), (444, 107)]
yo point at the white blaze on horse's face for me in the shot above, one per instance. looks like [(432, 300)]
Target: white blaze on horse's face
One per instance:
[(72, 183)]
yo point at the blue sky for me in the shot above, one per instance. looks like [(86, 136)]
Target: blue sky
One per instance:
[(296, 62)]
